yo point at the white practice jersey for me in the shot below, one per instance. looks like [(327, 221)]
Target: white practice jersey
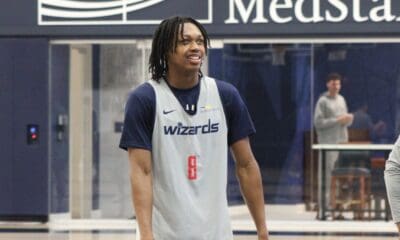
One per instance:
[(189, 157)]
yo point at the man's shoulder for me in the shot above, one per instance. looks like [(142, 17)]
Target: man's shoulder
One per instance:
[(144, 92), (341, 97), (225, 88), (323, 97)]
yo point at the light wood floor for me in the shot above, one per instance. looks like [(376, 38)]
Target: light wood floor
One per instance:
[(131, 236)]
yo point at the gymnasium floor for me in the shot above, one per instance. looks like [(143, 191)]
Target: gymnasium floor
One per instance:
[(131, 236), (284, 223)]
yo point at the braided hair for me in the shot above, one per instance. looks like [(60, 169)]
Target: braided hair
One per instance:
[(165, 40)]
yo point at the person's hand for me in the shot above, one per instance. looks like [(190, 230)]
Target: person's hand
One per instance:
[(350, 118), (345, 118)]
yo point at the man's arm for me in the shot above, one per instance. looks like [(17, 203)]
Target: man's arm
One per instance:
[(349, 117), (248, 174), (321, 121), (142, 189)]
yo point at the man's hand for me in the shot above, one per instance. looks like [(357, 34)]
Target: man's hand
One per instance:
[(345, 118)]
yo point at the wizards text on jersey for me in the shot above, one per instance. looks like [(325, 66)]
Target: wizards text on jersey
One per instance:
[(180, 129)]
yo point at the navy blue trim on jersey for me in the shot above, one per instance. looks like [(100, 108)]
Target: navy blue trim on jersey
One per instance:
[(139, 119), (237, 116), (140, 114)]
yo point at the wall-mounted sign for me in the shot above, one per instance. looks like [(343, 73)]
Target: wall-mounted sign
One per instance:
[(118, 12), (222, 18)]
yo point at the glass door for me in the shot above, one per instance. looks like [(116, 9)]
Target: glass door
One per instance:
[(91, 82)]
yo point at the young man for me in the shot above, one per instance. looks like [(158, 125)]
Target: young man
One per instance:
[(177, 130), (331, 119)]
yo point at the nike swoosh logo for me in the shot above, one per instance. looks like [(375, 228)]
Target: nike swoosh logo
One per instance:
[(166, 112)]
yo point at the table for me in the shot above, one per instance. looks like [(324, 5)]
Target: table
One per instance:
[(323, 148)]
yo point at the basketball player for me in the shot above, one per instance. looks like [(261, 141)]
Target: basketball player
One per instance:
[(177, 130)]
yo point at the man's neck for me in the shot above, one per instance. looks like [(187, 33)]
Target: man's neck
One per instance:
[(182, 81), (332, 95)]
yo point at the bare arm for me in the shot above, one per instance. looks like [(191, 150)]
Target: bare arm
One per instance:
[(142, 189), (248, 174)]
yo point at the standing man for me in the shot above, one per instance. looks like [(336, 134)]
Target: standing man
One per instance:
[(331, 120), (177, 130)]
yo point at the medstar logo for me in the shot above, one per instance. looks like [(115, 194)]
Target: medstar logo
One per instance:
[(287, 11), (115, 12), (180, 129)]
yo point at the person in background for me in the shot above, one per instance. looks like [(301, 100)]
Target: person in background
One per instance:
[(363, 121), (331, 120)]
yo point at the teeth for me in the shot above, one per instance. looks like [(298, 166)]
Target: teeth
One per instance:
[(194, 57)]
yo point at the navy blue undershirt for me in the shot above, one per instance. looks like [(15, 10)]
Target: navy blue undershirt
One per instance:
[(187, 97), (140, 113)]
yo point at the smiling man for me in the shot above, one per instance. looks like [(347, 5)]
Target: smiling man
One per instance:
[(177, 130)]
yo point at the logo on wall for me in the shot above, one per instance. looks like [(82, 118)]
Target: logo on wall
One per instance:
[(119, 12)]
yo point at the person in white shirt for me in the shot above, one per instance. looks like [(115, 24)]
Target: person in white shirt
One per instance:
[(331, 120)]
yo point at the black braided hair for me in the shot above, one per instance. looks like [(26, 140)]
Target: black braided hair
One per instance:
[(165, 39)]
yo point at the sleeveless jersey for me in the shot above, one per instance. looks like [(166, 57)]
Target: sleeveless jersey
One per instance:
[(189, 160)]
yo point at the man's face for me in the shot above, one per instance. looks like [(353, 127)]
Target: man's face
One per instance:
[(333, 87), (189, 51)]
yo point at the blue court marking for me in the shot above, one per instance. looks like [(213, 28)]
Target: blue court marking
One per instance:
[(348, 234)]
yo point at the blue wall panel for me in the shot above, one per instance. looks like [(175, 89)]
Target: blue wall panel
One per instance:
[(28, 101), (6, 126)]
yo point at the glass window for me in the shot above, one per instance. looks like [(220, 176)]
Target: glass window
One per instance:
[(280, 84)]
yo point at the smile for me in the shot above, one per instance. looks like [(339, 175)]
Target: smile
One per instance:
[(195, 59)]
